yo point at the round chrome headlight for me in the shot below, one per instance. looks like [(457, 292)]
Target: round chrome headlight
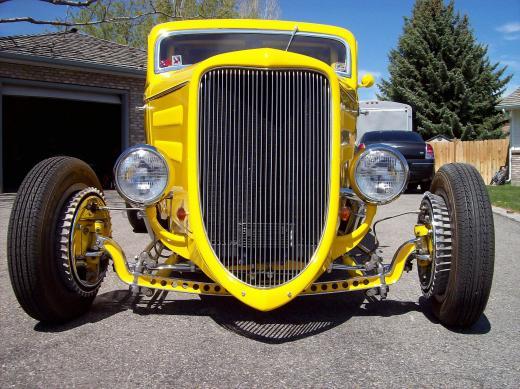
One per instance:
[(141, 175), (380, 174)]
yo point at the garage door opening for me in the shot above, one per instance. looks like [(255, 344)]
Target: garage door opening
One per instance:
[(35, 128)]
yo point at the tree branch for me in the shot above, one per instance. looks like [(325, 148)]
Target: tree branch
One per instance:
[(71, 3), (84, 3), (117, 19)]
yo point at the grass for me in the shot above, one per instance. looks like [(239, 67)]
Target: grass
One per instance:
[(505, 196)]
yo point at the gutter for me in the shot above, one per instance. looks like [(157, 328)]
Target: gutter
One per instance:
[(514, 216), (73, 65), (507, 107), (509, 167)]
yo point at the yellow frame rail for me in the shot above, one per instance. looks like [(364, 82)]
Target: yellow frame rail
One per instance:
[(187, 286)]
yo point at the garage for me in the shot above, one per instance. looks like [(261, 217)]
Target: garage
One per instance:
[(57, 102), (59, 124)]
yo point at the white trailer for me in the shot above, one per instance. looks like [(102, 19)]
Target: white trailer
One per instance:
[(377, 115)]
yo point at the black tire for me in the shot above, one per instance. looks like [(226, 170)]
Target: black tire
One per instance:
[(136, 222), (33, 254), (473, 245)]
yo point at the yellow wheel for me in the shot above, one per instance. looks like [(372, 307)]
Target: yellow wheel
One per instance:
[(83, 266)]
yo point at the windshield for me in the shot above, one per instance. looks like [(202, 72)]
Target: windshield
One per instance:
[(189, 48)]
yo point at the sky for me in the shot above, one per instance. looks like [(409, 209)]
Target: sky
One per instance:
[(376, 24)]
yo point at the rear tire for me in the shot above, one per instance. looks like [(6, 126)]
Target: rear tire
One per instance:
[(473, 245), (33, 248)]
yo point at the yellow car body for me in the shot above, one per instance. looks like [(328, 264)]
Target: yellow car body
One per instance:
[(250, 185), (172, 120)]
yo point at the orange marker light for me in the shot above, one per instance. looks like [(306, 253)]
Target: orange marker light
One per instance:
[(344, 213), (181, 214)]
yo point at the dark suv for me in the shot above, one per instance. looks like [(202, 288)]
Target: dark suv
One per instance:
[(417, 152)]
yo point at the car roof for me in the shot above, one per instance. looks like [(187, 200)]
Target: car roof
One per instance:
[(390, 135), (389, 132), (254, 24)]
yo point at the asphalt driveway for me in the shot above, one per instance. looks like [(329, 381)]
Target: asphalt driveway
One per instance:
[(338, 340)]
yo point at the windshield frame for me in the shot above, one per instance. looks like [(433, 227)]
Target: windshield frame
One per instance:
[(158, 70)]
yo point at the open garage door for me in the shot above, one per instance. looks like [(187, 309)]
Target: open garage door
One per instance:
[(38, 123)]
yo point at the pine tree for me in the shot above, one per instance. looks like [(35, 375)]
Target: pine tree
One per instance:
[(445, 75)]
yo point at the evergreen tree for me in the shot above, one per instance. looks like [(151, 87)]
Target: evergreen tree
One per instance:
[(445, 75)]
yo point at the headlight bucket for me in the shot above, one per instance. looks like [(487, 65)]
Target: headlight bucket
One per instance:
[(141, 175), (379, 174)]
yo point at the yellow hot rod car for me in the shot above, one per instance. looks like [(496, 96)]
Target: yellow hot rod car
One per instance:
[(249, 185)]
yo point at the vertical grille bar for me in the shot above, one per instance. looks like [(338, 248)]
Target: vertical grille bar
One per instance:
[(264, 169)]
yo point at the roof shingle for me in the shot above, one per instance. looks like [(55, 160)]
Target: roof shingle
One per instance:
[(76, 47), (511, 101)]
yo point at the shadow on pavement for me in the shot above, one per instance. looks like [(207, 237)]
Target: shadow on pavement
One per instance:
[(304, 317), (482, 326), (106, 305)]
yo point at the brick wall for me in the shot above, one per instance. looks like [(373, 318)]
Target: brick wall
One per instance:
[(515, 167), (134, 87)]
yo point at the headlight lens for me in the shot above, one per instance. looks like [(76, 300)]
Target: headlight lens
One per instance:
[(380, 174), (141, 174)]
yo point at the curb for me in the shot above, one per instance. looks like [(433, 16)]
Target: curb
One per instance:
[(514, 216)]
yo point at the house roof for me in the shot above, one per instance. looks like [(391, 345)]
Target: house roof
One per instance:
[(73, 48), (439, 137), (510, 101)]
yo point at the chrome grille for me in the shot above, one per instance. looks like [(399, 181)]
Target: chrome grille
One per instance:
[(264, 163)]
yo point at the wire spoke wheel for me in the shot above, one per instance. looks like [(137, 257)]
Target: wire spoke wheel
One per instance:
[(434, 273), (83, 266)]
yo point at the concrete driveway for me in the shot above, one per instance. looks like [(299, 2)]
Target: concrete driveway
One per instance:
[(330, 341)]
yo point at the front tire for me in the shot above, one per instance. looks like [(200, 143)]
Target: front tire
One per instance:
[(35, 239), (472, 244)]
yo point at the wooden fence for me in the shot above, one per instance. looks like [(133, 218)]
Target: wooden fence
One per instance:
[(486, 155)]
